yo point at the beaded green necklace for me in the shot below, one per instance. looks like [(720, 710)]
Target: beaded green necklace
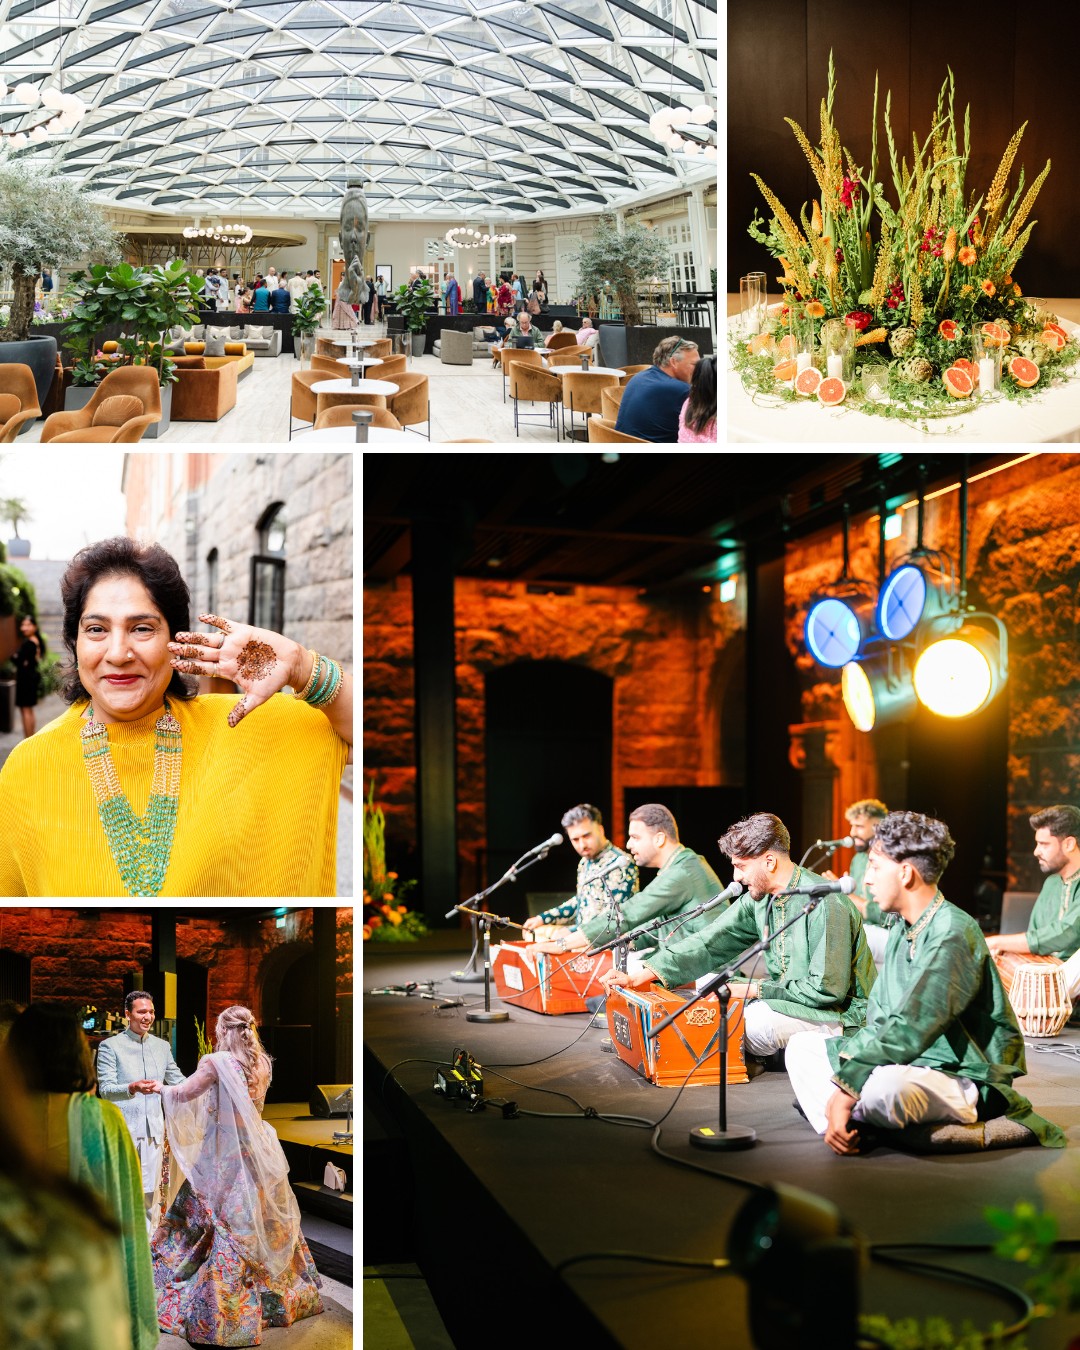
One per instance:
[(140, 845)]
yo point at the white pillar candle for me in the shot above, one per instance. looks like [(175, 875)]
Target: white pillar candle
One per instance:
[(987, 382), (836, 366), (802, 362)]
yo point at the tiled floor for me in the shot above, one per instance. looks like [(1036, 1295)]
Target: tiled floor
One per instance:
[(466, 401)]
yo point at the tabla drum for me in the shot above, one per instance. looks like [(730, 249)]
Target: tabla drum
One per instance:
[(1036, 989)]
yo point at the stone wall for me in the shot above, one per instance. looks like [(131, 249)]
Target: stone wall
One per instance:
[(193, 503), (1023, 566), (668, 655), (82, 956)]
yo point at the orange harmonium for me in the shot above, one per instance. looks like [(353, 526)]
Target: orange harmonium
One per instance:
[(693, 1039), (547, 982)]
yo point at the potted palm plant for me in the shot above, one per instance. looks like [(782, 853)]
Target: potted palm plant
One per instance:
[(307, 318), (145, 302), (45, 221), (414, 304), (15, 509)]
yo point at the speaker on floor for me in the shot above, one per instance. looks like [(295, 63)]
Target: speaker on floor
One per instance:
[(331, 1099)]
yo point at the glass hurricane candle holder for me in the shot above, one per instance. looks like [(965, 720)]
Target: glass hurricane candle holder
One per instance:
[(750, 305), (800, 327), (839, 348), (986, 357), (875, 381)]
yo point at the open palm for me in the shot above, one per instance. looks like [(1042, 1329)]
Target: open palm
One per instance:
[(259, 661)]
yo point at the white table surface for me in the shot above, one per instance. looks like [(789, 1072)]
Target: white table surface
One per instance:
[(360, 362), (592, 370), (1053, 415), (347, 436), (347, 387)]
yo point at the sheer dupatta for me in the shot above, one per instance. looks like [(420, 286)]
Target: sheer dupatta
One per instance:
[(234, 1161)]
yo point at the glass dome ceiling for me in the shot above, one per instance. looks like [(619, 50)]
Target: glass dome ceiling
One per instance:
[(478, 108)]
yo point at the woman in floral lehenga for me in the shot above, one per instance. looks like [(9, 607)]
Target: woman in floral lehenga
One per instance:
[(229, 1257)]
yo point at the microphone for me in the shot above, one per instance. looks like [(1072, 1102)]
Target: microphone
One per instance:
[(732, 892), (548, 843), (608, 867), (844, 886), (846, 842)]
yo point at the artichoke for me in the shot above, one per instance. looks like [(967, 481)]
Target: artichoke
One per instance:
[(900, 340), (1030, 347), (916, 370)]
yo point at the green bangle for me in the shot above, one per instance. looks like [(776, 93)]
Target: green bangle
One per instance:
[(328, 687)]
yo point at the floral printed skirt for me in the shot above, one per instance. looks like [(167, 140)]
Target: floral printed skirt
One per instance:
[(206, 1290)]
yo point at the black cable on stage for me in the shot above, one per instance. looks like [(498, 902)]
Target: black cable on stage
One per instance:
[(411, 1060), (1009, 1292), (529, 1062), (721, 1265)]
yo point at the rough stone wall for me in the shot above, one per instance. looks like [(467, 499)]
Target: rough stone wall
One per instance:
[(1023, 566), (223, 497), (664, 654), (79, 957)]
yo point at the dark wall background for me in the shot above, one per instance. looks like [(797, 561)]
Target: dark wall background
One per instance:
[(1010, 66)]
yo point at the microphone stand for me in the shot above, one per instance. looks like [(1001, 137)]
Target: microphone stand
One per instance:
[(468, 976), (630, 938), (728, 1137)]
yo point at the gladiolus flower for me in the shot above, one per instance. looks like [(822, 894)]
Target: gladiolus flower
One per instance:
[(989, 287), (815, 309), (966, 256), (849, 192)]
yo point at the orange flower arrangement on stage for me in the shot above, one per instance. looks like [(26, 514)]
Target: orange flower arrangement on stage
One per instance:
[(386, 918)]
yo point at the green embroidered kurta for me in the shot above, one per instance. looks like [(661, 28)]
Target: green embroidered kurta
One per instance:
[(593, 891), (686, 882), (102, 1156), (857, 872), (940, 1004), (820, 969), (1054, 927)]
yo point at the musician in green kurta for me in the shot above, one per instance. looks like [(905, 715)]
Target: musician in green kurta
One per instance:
[(819, 971), (1054, 926), (941, 1042), (862, 818), (605, 875)]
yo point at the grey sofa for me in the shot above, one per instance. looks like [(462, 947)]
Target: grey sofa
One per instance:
[(267, 343), (454, 348)]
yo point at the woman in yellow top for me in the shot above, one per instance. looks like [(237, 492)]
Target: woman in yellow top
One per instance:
[(146, 788)]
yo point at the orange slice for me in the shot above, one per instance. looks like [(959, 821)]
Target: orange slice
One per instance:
[(958, 382), (807, 381), (997, 334), (831, 391), (949, 329), (1024, 372)]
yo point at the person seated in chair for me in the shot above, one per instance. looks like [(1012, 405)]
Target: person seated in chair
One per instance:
[(941, 1045)]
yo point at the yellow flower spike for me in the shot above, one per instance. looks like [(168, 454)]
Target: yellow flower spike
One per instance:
[(949, 252), (816, 223)]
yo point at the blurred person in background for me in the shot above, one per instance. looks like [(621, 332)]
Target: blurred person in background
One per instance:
[(87, 1138)]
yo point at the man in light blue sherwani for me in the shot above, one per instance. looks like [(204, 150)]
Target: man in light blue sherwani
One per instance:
[(127, 1066)]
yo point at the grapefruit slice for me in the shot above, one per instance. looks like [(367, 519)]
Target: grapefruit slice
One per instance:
[(996, 334), (785, 370), (1052, 337), (1024, 372), (949, 329), (970, 369), (958, 382), (1056, 328), (807, 381), (831, 391)]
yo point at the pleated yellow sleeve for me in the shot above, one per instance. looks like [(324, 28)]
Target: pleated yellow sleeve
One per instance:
[(257, 813)]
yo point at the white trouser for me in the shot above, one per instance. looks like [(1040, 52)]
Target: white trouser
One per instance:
[(1072, 976), (877, 938), (149, 1151), (893, 1096), (767, 1031)]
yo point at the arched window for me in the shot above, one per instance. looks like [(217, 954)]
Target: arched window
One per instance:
[(266, 608)]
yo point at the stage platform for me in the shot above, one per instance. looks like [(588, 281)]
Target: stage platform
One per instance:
[(497, 1204), (307, 1142)]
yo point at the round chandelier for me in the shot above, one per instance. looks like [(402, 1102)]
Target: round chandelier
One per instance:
[(685, 130), (67, 111), (474, 238), (222, 234)]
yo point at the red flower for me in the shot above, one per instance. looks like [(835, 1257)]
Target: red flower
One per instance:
[(849, 192), (858, 319)]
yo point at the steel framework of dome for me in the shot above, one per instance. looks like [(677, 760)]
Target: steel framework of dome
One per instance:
[(474, 107)]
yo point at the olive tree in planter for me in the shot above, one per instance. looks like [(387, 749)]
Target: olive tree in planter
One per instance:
[(625, 262), (146, 302), (307, 319), (15, 509), (45, 221), (414, 304)]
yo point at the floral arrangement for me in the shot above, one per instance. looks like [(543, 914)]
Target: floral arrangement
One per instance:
[(386, 917), (934, 292), (205, 1048)]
